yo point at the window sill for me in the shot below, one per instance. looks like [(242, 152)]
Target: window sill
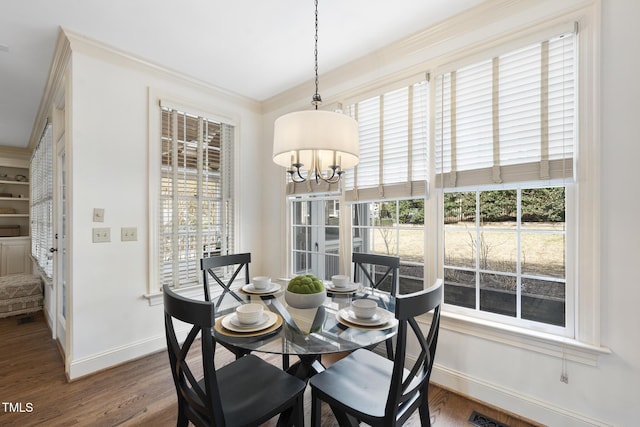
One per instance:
[(540, 342), (192, 292)]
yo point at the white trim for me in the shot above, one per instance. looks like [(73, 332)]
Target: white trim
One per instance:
[(541, 342), (510, 399), (118, 355), (86, 45), (192, 292)]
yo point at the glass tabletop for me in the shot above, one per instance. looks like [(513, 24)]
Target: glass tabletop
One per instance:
[(310, 331)]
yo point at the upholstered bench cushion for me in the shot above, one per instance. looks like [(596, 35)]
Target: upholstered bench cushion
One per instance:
[(19, 294)]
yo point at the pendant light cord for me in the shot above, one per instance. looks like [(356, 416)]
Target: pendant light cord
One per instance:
[(316, 100)]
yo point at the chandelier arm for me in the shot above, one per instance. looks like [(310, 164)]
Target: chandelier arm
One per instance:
[(293, 173), (335, 175)]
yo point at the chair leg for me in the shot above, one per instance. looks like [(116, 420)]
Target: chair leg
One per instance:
[(299, 420), (344, 419), (183, 421), (425, 416), (389, 344), (315, 409)]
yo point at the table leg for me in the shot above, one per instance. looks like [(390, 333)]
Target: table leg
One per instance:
[(308, 366)]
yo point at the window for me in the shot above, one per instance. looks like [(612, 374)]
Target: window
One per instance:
[(393, 131), (196, 186), (387, 189), (505, 132), (505, 252), (41, 169), (315, 232), (393, 228)]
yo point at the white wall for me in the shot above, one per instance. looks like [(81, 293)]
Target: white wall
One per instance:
[(111, 321), (523, 381)]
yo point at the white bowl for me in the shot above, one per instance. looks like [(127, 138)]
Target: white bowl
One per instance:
[(261, 283), (364, 308), (305, 300), (249, 314), (340, 281)]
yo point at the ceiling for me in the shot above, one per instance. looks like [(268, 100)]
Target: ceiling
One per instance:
[(255, 48)]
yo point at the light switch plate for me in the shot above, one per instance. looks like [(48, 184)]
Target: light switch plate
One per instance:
[(98, 215), (101, 235), (129, 234)]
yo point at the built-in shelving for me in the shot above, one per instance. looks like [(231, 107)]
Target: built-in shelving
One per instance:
[(14, 201)]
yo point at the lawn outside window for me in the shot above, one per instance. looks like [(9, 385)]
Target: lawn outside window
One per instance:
[(505, 254)]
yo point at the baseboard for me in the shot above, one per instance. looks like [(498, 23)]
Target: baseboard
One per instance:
[(510, 400), (116, 356), (97, 362)]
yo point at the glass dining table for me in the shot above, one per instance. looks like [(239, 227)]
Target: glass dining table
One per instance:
[(306, 333)]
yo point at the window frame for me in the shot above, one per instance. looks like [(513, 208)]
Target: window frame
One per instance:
[(396, 229), (569, 279), (584, 346), (157, 99)]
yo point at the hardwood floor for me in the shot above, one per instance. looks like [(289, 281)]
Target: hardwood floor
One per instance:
[(34, 390)]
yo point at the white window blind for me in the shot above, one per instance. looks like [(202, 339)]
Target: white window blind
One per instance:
[(509, 118), (393, 130), (41, 201), (196, 205)]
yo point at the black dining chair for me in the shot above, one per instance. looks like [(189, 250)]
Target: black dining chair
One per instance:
[(246, 392), (210, 271), (379, 272), (366, 387), (211, 268)]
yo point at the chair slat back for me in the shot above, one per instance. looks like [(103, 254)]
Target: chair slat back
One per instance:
[(365, 264), (209, 266), (406, 389)]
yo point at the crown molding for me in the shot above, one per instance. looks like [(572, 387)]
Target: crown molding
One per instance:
[(57, 70), (94, 48), (420, 51)]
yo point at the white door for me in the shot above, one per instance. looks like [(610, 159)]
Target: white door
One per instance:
[(59, 244), (315, 237)]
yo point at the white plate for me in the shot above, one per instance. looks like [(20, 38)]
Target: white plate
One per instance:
[(274, 287), (235, 321), (351, 287), (381, 317), (231, 323)]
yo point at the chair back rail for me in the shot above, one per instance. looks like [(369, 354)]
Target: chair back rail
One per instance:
[(208, 266), (364, 260)]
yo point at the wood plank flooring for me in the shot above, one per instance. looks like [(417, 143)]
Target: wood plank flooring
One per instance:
[(34, 390)]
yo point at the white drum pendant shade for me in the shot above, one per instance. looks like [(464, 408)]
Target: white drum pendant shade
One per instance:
[(333, 137)]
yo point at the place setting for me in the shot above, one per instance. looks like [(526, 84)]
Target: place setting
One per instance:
[(261, 285), (248, 320), (341, 284), (365, 313)]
